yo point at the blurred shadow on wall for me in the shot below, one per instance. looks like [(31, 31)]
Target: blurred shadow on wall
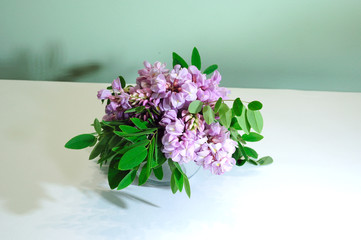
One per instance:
[(49, 65)]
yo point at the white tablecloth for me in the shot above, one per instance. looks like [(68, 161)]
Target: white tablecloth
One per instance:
[(312, 191)]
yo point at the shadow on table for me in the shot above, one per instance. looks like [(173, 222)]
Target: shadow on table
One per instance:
[(25, 185), (116, 197)]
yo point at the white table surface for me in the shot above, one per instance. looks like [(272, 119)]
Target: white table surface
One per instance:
[(311, 191)]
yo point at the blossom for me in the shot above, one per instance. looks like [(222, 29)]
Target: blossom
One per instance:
[(104, 94), (116, 85), (216, 153)]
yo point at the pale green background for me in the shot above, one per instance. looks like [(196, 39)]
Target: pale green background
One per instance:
[(308, 44)]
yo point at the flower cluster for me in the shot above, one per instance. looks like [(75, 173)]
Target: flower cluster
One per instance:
[(163, 97), (177, 116)]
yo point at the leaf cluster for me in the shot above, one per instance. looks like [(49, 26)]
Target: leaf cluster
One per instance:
[(195, 61), (126, 147)]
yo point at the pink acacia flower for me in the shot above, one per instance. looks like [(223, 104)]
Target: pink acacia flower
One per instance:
[(216, 153), (150, 73), (104, 94)]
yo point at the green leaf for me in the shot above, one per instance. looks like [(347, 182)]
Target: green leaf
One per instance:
[(195, 106), (242, 121), (128, 129), (208, 114), (132, 158), (139, 109), (225, 115), (178, 179), (251, 152), (144, 175), (187, 186), (237, 154), (252, 162), (173, 184), (124, 149), (243, 152), (158, 172), (122, 81), (140, 133), (255, 120), (160, 157), (237, 107), (127, 180), (112, 124), (81, 141), (218, 105), (210, 69), (255, 105), (97, 126), (171, 164), (99, 148), (223, 108), (265, 160), (196, 58), (240, 162), (115, 175), (150, 157), (235, 124), (179, 60), (139, 123), (252, 137)]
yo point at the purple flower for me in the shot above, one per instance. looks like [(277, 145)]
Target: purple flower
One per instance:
[(197, 76), (189, 90), (104, 94), (116, 85), (168, 117), (216, 153), (175, 128), (176, 100), (159, 84)]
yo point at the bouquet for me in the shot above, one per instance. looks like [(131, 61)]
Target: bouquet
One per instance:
[(177, 116)]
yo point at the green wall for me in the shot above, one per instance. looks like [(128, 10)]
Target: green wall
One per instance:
[(256, 43)]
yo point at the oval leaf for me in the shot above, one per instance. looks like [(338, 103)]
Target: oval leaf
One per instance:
[(115, 175), (97, 126), (144, 175), (196, 58), (187, 186), (242, 121), (173, 184), (127, 180), (128, 129), (139, 123), (122, 81), (81, 141), (252, 162), (237, 107), (179, 60), (178, 177), (251, 152), (255, 120), (252, 137), (211, 69), (218, 105), (208, 114), (158, 172), (265, 160), (255, 105), (195, 106), (225, 115), (132, 158)]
